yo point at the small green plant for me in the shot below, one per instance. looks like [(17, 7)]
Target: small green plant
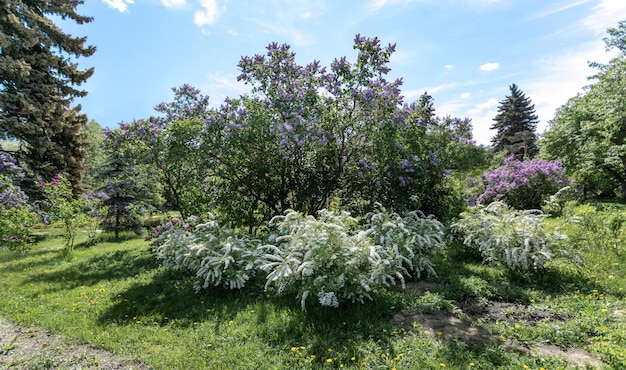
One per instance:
[(516, 239), (65, 208)]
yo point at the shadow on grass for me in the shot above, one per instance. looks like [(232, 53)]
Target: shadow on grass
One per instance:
[(169, 299), (464, 280), (30, 259), (109, 266)]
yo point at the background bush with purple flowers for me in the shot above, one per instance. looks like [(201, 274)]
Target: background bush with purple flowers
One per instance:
[(523, 184), (15, 214)]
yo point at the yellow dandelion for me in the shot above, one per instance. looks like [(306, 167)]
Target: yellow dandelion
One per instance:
[(532, 301), (329, 361), (330, 350), (209, 345), (293, 349), (525, 367), (353, 359), (442, 364), (471, 364), (605, 310), (383, 356), (301, 347), (312, 357), (517, 326), (439, 333)]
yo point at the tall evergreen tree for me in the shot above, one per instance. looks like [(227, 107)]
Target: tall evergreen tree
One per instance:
[(38, 83), (515, 125)]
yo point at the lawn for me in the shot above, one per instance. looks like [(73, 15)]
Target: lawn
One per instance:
[(115, 296)]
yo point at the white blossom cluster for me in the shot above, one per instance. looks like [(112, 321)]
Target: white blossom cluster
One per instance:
[(329, 257), (517, 239), (215, 254), (333, 259)]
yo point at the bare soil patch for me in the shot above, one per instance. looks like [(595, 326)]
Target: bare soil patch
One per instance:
[(444, 325), (32, 348)]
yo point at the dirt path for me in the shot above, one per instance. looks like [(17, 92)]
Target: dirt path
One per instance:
[(33, 348)]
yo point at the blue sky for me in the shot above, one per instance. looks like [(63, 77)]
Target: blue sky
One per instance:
[(465, 53)]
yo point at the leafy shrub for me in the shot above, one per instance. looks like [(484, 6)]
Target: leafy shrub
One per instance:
[(61, 206), (522, 184), (15, 214), (326, 258), (214, 254), (516, 239)]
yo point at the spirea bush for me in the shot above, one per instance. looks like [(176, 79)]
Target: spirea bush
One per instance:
[(523, 184), (407, 239), (327, 258), (515, 238), (216, 255)]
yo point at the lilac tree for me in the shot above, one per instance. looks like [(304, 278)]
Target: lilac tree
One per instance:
[(169, 145), (523, 184), (306, 135), (15, 214)]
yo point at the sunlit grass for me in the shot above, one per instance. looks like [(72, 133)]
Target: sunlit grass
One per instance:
[(115, 296)]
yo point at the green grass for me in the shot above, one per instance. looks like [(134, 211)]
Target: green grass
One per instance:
[(115, 296)]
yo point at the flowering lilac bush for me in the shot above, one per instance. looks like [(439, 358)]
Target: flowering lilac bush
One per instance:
[(523, 184), (15, 214), (304, 135)]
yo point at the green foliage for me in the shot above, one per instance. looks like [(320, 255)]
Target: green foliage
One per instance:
[(303, 137), (588, 132), (518, 240), (63, 207)]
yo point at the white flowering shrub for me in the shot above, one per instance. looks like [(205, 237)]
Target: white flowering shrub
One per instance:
[(517, 239), (215, 254), (407, 239), (326, 258)]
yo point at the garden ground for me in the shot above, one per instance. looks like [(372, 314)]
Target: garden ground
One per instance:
[(110, 306)]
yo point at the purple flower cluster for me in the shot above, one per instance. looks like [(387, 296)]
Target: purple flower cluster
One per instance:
[(523, 184), (11, 195), (9, 167)]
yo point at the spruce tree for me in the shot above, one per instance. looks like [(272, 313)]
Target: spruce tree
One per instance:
[(38, 84), (515, 125)]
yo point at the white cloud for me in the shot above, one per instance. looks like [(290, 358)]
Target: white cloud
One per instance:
[(173, 3), (221, 86), (604, 15), (208, 15), (376, 5), (121, 5), (488, 67), (479, 108), (563, 6), (448, 66), (465, 95), (414, 93)]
